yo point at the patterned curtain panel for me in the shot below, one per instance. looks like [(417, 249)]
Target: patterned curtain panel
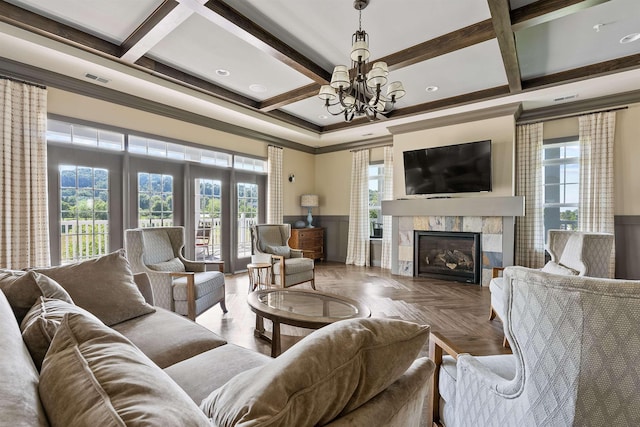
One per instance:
[(24, 224), (358, 243), (275, 210), (386, 219), (530, 227), (595, 207)]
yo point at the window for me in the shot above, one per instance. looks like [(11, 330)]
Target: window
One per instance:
[(247, 216), (84, 136), (376, 190), (561, 163), (208, 218), (155, 200), (84, 212)]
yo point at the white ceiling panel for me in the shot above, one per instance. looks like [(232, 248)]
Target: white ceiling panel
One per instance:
[(112, 20), (572, 41), (313, 110), (324, 35), (200, 47)]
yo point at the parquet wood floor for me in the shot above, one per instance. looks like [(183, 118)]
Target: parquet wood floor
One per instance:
[(459, 311)]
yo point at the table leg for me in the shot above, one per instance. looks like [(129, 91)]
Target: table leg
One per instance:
[(275, 340)]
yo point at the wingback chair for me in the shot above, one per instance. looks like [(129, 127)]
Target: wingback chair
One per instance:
[(289, 267), (575, 343), (178, 284), (572, 252)]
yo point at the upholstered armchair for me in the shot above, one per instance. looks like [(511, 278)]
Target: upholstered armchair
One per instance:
[(289, 267), (575, 343), (178, 284), (572, 252)]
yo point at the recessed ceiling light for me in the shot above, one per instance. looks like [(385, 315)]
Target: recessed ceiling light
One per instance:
[(257, 88), (630, 38), (431, 88), (223, 73), (323, 117)]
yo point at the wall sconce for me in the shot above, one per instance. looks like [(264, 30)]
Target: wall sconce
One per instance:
[(292, 177)]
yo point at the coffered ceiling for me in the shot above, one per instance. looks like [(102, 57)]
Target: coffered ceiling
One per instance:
[(259, 64)]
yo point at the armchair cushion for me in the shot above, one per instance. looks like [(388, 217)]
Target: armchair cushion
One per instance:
[(23, 289), (205, 283), (103, 379), (556, 268), (295, 265), (157, 246), (284, 251), (103, 286), (330, 372), (173, 265)]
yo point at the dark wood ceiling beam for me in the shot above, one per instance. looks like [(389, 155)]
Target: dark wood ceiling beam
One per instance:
[(161, 22), (454, 101), (245, 29), (459, 39), (500, 16), (583, 73), (542, 11), (33, 22)]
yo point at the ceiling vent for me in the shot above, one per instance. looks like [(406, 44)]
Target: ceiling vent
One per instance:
[(565, 98), (96, 78)]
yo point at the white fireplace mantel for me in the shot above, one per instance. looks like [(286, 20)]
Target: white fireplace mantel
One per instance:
[(455, 206)]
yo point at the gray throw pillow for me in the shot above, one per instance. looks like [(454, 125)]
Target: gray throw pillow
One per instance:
[(41, 323), (23, 289), (172, 265), (103, 286), (94, 376), (284, 251), (329, 373)]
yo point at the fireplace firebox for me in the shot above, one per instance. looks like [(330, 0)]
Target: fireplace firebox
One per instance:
[(447, 255)]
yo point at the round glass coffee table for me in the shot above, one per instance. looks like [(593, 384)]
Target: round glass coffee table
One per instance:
[(301, 308)]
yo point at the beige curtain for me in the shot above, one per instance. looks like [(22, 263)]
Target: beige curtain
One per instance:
[(24, 217), (530, 227), (595, 207), (275, 211), (358, 243), (386, 219)]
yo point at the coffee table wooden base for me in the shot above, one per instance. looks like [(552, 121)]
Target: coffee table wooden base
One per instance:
[(273, 338)]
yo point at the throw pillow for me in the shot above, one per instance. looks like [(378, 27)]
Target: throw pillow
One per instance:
[(172, 265), (284, 251), (92, 375), (329, 373), (23, 289), (555, 268), (103, 286), (41, 323)]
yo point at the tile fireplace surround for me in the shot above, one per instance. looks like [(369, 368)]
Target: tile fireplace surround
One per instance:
[(494, 217)]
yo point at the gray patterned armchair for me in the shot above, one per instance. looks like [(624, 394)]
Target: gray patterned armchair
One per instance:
[(575, 343), (289, 267), (178, 284), (578, 253)]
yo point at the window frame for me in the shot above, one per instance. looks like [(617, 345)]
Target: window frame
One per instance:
[(377, 208)]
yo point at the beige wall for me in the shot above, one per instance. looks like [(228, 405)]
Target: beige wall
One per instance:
[(302, 165), (333, 182), (499, 130)]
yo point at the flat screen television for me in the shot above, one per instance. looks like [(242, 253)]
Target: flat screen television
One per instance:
[(460, 168)]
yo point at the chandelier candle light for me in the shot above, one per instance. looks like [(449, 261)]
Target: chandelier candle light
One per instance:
[(309, 201), (362, 96)]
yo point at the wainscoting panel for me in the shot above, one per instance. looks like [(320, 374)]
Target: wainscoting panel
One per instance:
[(627, 231), (336, 234)]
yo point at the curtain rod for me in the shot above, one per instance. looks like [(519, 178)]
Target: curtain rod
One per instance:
[(13, 79), (568, 116), (371, 146)]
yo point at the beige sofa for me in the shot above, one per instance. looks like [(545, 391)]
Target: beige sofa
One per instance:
[(63, 365)]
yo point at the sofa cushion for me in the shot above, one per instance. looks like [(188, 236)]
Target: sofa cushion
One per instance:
[(330, 372), (19, 397), (205, 283), (24, 288), (555, 268), (92, 375), (41, 323), (172, 265), (180, 339), (103, 286), (201, 374)]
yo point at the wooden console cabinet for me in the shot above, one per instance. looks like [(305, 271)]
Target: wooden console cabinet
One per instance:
[(309, 240)]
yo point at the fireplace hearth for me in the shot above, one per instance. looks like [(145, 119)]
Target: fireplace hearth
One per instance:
[(447, 255)]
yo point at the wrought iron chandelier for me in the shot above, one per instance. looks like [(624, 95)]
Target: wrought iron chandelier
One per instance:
[(361, 96)]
